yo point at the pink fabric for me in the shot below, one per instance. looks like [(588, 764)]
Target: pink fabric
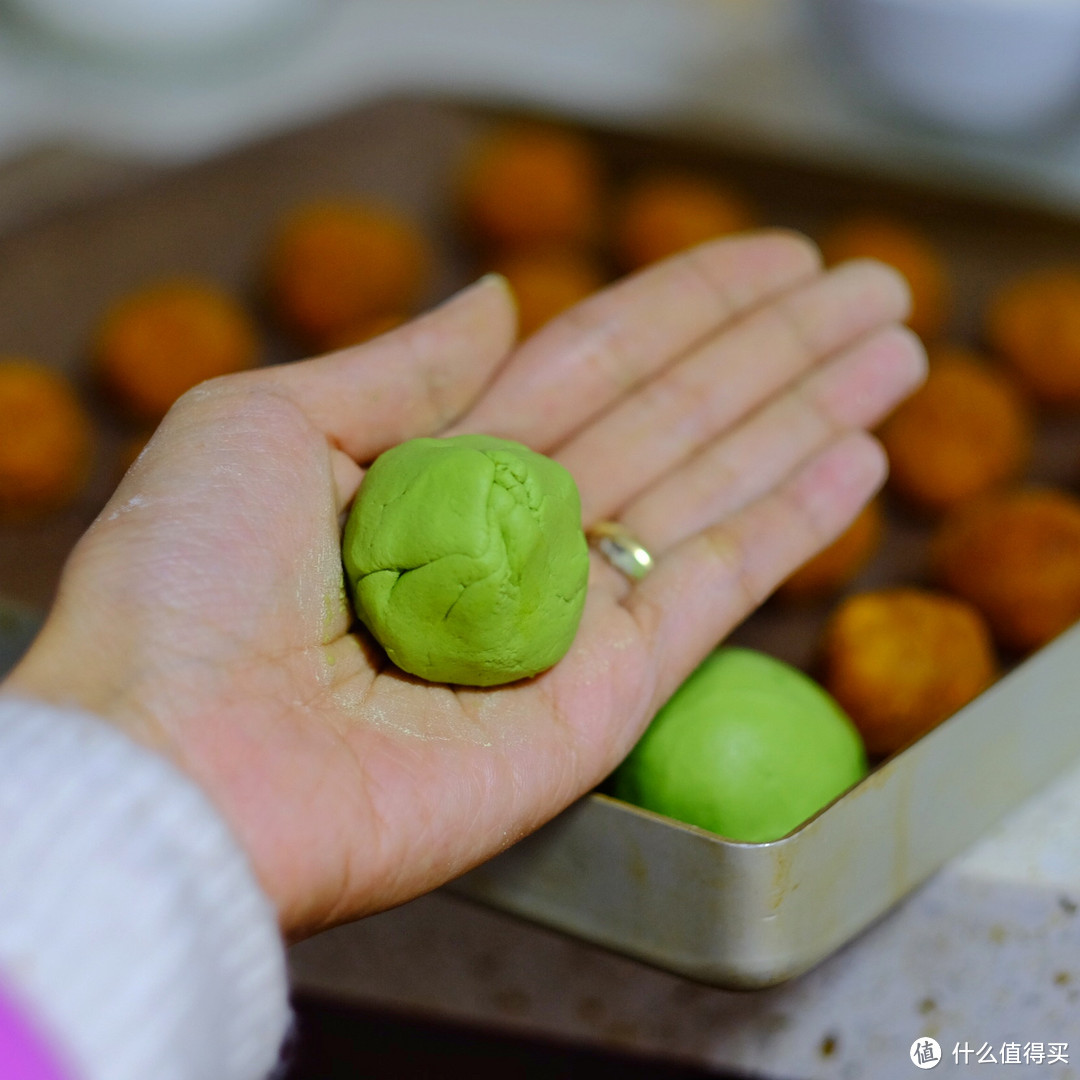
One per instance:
[(23, 1053)]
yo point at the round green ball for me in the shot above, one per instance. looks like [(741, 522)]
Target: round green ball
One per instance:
[(748, 747), (466, 559)]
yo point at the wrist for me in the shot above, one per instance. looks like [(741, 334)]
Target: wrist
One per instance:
[(83, 677)]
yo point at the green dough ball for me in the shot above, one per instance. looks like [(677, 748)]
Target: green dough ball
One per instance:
[(467, 560), (747, 747)]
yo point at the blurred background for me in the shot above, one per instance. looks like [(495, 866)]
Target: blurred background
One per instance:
[(979, 90), (125, 128)]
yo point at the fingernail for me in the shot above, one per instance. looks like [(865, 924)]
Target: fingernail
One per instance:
[(485, 282)]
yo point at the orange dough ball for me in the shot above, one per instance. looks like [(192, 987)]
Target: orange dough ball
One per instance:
[(371, 327), (546, 282), (45, 439), (668, 212), (1034, 324), (333, 266), (157, 342), (830, 570), (907, 250), (524, 186), (901, 660), (1016, 556), (964, 431)]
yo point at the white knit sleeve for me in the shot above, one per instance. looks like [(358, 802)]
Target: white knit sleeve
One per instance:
[(131, 924)]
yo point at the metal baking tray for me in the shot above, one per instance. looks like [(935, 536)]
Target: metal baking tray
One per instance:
[(746, 916), (737, 915)]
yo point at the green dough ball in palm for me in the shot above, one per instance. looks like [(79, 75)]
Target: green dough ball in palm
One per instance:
[(748, 747), (466, 559)]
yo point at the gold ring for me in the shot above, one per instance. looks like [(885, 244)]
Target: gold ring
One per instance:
[(621, 548)]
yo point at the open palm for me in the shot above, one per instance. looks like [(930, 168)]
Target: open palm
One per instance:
[(714, 404)]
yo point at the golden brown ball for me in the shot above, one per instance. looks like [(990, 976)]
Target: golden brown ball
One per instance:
[(665, 213), (159, 341), (547, 281), (966, 430), (1015, 555), (334, 266), (526, 185), (907, 250), (1034, 324), (901, 660), (830, 570), (46, 439)]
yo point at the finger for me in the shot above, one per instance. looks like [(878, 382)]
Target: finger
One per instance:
[(412, 381), (347, 476), (585, 359), (686, 407), (703, 587), (857, 389)]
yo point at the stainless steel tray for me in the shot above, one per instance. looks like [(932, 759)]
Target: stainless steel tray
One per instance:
[(747, 916)]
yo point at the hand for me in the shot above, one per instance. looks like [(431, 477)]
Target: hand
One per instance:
[(714, 404)]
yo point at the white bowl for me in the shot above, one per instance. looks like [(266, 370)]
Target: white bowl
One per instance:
[(979, 65)]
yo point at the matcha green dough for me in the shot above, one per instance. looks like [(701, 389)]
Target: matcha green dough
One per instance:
[(466, 559), (747, 747)]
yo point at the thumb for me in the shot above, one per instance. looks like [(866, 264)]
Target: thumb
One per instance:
[(410, 382)]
